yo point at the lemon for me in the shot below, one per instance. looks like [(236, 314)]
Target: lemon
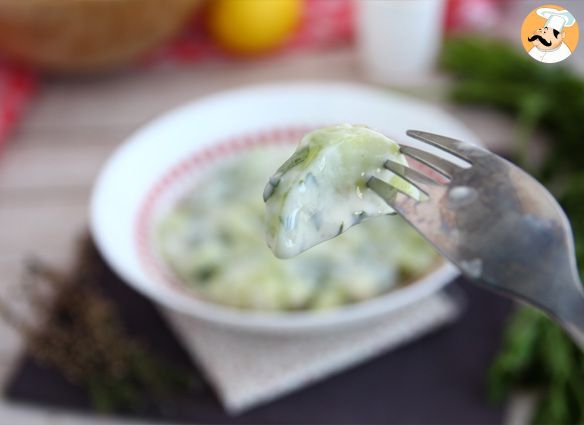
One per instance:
[(253, 26)]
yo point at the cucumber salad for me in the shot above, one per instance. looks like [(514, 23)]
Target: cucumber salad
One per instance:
[(213, 239)]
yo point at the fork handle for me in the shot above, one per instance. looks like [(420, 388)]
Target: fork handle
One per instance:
[(576, 333), (572, 318)]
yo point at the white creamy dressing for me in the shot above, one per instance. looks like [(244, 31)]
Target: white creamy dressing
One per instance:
[(321, 191), (213, 240)]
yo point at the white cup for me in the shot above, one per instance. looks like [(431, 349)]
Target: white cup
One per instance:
[(399, 40)]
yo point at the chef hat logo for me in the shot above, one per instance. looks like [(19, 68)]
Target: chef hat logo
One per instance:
[(550, 33), (556, 19)]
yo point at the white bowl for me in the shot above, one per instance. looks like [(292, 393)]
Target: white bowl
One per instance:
[(154, 166)]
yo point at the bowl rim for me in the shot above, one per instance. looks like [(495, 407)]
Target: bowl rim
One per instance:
[(266, 321)]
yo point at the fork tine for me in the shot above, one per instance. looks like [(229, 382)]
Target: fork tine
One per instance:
[(385, 191), (410, 175), (422, 183), (452, 146), (440, 165), (393, 196)]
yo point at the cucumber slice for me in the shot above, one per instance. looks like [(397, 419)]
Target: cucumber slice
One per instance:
[(321, 190)]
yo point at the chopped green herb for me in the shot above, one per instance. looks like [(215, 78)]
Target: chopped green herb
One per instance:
[(298, 158), (205, 273)]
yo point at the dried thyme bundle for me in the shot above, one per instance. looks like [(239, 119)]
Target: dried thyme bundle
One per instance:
[(80, 332)]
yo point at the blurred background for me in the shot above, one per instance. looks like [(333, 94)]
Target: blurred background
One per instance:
[(77, 77)]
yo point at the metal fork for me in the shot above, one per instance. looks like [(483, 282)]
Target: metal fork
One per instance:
[(496, 223)]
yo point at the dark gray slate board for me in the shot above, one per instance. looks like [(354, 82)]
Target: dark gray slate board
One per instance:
[(437, 379)]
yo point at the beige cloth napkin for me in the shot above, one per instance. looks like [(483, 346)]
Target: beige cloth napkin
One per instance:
[(248, 369)]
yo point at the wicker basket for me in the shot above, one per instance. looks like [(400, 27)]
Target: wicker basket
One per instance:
[(75, 36)]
